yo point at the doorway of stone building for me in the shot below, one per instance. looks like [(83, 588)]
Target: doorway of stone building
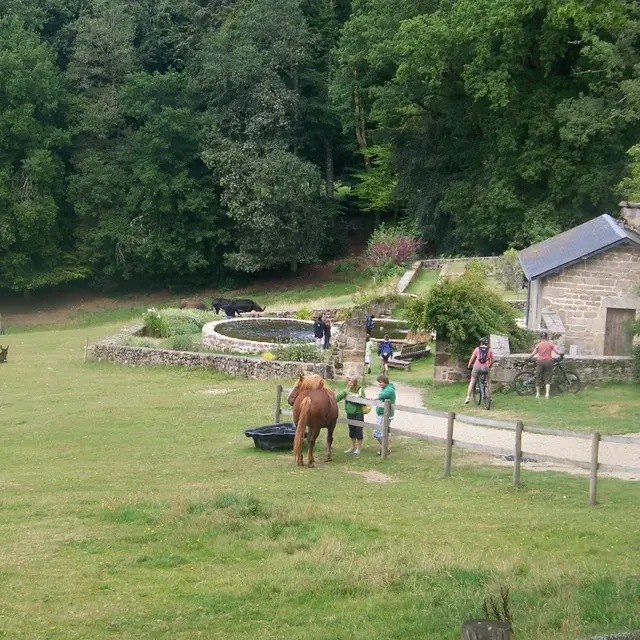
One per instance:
[(618, 341)]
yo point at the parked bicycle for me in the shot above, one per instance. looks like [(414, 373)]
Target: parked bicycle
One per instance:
[(565, 381), (482, 390)]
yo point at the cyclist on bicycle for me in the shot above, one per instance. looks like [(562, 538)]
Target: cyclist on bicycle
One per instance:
[(481, 360), (544, 369)]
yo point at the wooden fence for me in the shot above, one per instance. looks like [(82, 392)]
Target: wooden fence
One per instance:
[(449, 442)]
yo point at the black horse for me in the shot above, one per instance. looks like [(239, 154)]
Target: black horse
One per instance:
[(3, 353), (220, 303), (244, 305), (231, 307)]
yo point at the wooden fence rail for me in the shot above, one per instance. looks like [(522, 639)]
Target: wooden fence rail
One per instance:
[(518, 427)]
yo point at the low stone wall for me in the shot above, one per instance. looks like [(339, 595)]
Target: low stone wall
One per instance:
[(408, 277), (594, 369), (438, 263), (213, 339), (257, 368)]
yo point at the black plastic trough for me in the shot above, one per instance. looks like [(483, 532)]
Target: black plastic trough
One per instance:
[(274, 437)]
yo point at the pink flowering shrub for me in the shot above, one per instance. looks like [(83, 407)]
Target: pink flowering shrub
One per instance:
[(389, 248)]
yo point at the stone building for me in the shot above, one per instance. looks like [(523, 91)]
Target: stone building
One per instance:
[(584, 284)]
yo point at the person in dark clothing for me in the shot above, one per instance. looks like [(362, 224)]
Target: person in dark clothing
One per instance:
[(385, 351), (369, 324), (318, 332), (327, 332)]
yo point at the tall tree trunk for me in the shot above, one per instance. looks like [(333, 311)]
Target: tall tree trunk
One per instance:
[(294, 265), (361, 131), (329, 177)]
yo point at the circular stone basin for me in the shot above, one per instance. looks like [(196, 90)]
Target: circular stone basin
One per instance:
[(267, 330), (395, 329)]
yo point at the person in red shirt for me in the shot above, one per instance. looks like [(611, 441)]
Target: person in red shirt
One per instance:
[(481, 359), (544, 369)]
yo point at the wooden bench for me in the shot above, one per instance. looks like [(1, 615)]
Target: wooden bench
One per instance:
[(402, 360)]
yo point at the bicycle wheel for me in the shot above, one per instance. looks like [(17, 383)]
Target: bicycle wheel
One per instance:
[(487, 395), (525, 383), (568, 382), (477, 392)]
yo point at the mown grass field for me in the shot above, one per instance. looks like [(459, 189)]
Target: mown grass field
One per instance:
[(607, 408), (132, 506)]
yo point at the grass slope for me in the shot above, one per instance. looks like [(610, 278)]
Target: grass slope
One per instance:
[(132, 506)]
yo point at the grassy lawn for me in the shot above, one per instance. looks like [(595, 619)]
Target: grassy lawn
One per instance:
[(423, 282), (132, 506), (609, 409), (336, 292)]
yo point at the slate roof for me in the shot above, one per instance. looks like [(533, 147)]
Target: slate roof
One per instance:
[(581, 242)]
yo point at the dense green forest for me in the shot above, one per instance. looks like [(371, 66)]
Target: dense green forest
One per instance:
[(184, 141)]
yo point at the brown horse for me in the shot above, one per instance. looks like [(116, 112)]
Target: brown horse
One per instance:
[(315, 407), (190, 304)]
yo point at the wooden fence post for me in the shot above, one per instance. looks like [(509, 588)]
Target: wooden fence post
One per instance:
[(385, 430), (593, 481), (86, 347), (278, 411), (517, 454), (449, 445)]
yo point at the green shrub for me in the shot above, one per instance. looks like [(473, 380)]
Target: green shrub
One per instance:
[(347, 265), (135, 341), (173, 322), (182, 343), (508, 270), (478, 268), (636, 363), (155, 324), (299, 352), (304, 314), (465, 309)]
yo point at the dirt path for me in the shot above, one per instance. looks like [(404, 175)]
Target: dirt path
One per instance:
[(627, 455)]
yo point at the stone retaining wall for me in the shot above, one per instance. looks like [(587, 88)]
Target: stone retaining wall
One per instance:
[(257, 368), (438, 263), (408, 277), (594, 369), (590, 369)]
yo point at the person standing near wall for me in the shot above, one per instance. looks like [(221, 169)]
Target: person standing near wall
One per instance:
[(318, 332), (544, 368), (327, 331)]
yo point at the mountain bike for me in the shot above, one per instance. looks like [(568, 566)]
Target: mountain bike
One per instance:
[(482, 390), (565, 381)]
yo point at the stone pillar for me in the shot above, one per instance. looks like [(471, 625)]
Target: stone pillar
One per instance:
[(350, 345), (448, 367), (630, 213)]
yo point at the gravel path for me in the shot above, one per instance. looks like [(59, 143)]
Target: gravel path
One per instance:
[(627, 455)]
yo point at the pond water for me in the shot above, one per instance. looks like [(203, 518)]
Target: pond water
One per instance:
[(260, 330), (396, 329)]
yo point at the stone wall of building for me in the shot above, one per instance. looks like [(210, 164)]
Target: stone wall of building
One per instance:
[(582, 293), (448, 368), (257, 368), (590, 369)]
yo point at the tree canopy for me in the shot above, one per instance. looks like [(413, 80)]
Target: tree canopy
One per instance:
[(180, 141)]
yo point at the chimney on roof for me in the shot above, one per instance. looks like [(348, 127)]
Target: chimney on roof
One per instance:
[(630, 213)]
